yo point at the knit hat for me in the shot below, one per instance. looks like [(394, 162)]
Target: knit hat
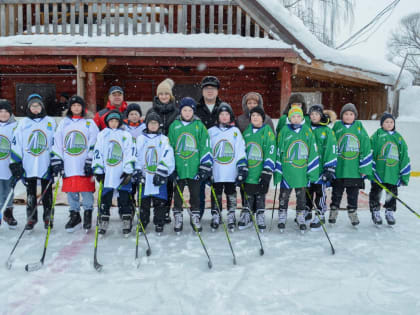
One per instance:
[(258, 110), (133, 106), (35, 98), (188, 101), (210, 81), (225, 107), (76, 99), (385, 116), (114, 114), (152, 115), (349, 107), (316, 108), (295, 110), (5, 104), (166, 86), (115, 88)]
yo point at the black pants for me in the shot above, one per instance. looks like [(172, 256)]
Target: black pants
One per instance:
[(285, 196), (31, 209), (352, 191), (318, 196), (125, 205), (230, 192), (159, 208), (375, 196), (194, 189), (170, 191)]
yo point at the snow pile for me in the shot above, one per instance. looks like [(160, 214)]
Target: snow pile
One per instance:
[(409, 109)]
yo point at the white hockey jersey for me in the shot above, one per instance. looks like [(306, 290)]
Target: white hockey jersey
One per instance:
[(114, 154), (228, 148), (6, 136), (154, 155), (74, 141), (32, 144), (135, 131)]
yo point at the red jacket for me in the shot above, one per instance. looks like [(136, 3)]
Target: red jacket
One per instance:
[(99, 118)]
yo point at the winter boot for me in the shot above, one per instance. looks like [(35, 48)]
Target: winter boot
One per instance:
[(282, 219), (316, 224), (32, 220), (231, 206), (103, 223), (376, 217), (127, 224), (46, 218), (389, 216), (308, 215), (74, 221), (353, 217), (244, 220), (333, 214), (195, 221), (179, 223), (9, 219), (215, 221), (261, 220), (300, 219), (87, 219), (231, 220), (159, 228)]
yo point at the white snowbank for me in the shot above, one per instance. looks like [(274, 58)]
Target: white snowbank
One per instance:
[(410, 104)]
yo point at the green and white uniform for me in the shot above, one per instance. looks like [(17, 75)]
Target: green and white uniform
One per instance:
[(326, 144)]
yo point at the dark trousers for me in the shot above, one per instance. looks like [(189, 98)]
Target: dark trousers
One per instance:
[(285, 196), (375, 196), (256, 202), (159, 208), (202, 198), (230, 192), (170, 191), (337, 195), (318, 196), (125, 205), (194, 189), (31, 209)]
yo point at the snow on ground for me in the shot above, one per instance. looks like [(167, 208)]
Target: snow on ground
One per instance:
[(375, 270)]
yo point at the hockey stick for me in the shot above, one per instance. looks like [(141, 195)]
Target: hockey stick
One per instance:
[(96, 264), (38, 265), (272, 213), (140, 225), (223, 223), (257, 230), (319, 218), (12, 189), (9, 260), (396, 197), (209, 263)]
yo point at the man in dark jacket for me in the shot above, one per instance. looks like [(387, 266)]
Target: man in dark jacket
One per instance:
[(115, 101), (209, 102)]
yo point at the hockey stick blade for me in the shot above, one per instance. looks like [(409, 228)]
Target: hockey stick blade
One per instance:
[(34, 267), (234, 260), (261, 252), (137, 263), (9, 263), (98, 267), (210, 264), (148, 252)]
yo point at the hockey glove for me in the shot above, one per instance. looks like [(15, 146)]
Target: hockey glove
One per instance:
[(138, 177), (265, 179), (125, 179), (204, 173), (88, 167), (242, 175), (17, 170), (100, 177), (57, 167), (159, 180), (328, 175)]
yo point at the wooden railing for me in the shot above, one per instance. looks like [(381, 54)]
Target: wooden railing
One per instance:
[(125, 17)]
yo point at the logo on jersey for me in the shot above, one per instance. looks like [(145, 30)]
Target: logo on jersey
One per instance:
[(115, 153), (75, 143), (297, 154), (186, 146), (223, 152), (348, 146), (389, 153), (4, 147), (254, 154), (37, 143), (151, 159)]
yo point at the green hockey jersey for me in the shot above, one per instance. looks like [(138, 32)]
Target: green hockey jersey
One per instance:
[(191, 145), (260, 151), (297, 161), (354, 154), (283, 121), (391, 163), (327, 147)]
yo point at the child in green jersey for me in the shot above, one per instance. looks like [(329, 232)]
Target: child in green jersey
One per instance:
[(391, 167)]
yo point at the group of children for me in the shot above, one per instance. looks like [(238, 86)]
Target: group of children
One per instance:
[(137, 162)]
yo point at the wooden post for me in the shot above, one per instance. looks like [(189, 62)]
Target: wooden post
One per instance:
[(91, 91), (286, 85), (80, 77)]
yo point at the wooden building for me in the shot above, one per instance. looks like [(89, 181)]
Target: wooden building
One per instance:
[(84, 47)]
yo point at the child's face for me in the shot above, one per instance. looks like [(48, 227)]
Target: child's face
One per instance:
[(296, 119), (187, 113), (348, 117), (153, 126), (113, 123), (76, 108), (388, 124), (224, 117), (35, 108), (4, 115), (164, 98), (256, 120), (251, 104), (134, 116), (315, 117)]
